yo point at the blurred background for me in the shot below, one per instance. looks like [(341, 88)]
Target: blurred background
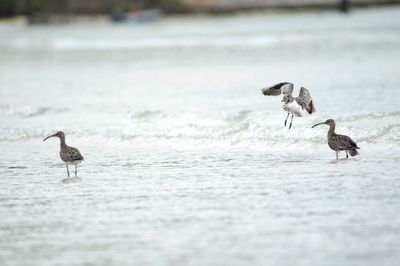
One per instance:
[(65, 10), (186, 162)]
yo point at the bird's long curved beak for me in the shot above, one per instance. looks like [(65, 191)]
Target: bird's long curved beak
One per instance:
[(50, 136), (323, 123)]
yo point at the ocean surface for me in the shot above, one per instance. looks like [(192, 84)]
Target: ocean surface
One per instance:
[(186, 163)]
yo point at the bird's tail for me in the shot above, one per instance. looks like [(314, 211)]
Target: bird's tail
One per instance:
[(353, 152), (310, 108)]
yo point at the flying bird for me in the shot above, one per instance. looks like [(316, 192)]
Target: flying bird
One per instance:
[(339, 142), (291, 105), (69, 155)]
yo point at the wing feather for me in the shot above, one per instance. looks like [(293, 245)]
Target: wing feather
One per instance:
[(305, 94), (71, 154), (305, 100), (277, 89), (344, 142)]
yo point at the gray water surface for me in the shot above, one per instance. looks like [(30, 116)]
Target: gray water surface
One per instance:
[(186, 163)]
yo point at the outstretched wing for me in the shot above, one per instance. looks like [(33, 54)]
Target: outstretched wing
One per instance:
[(305, 100), (277, 89), (305, 95)]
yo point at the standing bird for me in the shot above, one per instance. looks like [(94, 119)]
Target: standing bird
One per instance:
[(69, 155), (339, 142), (291, 105)]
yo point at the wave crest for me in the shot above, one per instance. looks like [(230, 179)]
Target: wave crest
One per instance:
[(231, 127)]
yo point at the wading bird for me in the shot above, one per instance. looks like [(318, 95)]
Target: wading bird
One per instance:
[(69, 155), (291, 105), (339, 142)]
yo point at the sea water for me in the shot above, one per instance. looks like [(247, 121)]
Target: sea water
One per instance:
[(186, 162)]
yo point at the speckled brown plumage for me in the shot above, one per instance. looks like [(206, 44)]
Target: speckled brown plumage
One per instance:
[(69, 155), (339, 142)]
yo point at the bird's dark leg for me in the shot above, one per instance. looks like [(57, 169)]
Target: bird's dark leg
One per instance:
[(347, 154), (76, 169), (337, 156), (286, 118), (67, 169), (290, 126)]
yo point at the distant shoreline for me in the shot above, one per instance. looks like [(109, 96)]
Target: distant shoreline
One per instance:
[(63, 18), (238, 6)]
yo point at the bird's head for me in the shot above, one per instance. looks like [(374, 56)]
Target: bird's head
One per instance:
[(59, 134), (329, 122)]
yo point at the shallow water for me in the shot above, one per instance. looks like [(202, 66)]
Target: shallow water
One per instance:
[(186, 163)]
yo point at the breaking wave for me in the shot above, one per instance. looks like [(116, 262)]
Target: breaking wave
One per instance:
[(372, 116), (25, 111), (246, 127), (71, 43), (206, 40)]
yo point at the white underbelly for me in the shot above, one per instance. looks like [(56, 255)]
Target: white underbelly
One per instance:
[(293, 108), (74, 162)]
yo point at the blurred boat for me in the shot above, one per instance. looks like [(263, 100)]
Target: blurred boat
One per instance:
[(148, 15)]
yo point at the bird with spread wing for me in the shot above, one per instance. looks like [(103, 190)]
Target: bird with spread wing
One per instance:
[(294, 106)]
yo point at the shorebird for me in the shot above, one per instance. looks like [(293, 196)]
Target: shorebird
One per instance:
[(69, 155), (339, 142), (291, 105)]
